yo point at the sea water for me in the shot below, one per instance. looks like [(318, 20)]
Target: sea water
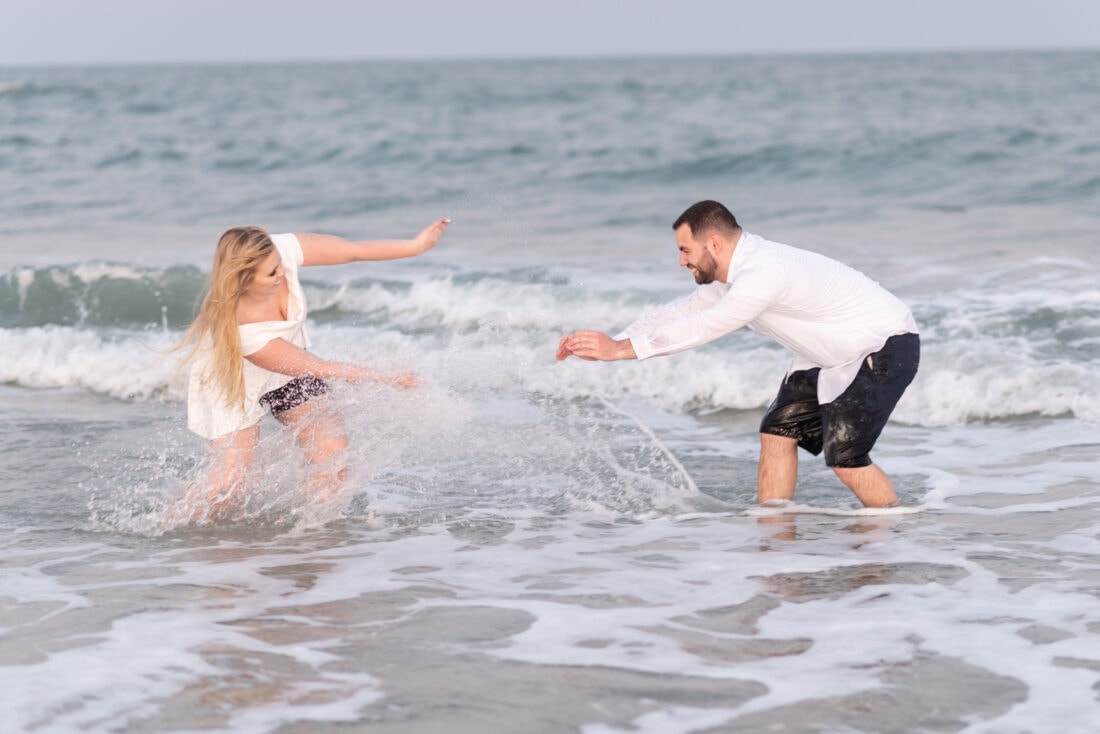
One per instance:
[(533, 546)]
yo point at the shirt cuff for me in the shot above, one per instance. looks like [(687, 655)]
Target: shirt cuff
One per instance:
[(642, 347)]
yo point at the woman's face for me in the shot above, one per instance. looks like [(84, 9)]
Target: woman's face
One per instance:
[(268, 276)]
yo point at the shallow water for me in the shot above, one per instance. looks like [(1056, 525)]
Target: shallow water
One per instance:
[(977, 616), (526, 545)]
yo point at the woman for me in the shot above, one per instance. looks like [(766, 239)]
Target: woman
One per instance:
[(248, 352)]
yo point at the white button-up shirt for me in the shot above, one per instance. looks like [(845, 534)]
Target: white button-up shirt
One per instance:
[(828, 314)]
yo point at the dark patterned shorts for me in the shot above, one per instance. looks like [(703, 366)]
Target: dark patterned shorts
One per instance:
[(294, 393), (847, 428)]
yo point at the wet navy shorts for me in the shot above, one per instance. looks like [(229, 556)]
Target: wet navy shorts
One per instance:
[(293, 394), (848, 427)]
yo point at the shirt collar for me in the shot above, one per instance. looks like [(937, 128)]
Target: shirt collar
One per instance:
[(740, 252)]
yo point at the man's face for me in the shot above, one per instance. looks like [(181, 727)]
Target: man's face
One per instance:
[(695, 256)]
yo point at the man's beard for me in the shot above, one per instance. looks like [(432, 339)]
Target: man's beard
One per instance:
[(705, 270)]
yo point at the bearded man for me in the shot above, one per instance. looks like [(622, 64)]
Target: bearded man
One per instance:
[(855, 346)]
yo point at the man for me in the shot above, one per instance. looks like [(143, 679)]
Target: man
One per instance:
[(855, 346)]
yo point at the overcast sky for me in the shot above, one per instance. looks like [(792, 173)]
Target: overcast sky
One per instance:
[(34, 32)]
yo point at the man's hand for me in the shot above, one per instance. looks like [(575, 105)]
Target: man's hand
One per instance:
[(594, 346)]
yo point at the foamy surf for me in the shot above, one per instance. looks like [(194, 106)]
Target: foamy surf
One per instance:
[(778, 508), (979, 362)]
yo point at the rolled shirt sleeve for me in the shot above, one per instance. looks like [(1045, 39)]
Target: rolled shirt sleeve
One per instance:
[(711, 311)]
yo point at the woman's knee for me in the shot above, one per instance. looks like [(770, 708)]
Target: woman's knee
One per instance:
[(324, 448), (319, 429), (237, 449)]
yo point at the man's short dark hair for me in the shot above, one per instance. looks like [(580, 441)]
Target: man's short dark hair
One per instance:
[(704, 216)]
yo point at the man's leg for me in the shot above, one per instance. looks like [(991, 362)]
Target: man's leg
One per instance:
[(793, 420), (853, 422), (870, 484), (778, 468)]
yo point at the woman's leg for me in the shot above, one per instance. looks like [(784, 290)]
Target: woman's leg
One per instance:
[(319, 430), (230, 467)]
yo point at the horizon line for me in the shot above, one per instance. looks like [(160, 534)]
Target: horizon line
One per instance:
[(573, 56)]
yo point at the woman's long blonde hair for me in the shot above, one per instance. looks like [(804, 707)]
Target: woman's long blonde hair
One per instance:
[(240, 252)]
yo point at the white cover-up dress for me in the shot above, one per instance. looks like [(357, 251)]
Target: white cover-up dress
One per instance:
[(207, 413)]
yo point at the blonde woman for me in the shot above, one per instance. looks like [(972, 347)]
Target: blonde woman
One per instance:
[(248, 354)]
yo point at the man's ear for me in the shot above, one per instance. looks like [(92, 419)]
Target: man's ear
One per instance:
[(715, 242)]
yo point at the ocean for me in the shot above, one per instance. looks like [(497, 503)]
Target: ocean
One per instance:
[(525, 545)]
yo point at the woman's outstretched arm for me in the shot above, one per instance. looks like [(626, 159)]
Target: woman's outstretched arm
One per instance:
[(326, 249), (279, 355)]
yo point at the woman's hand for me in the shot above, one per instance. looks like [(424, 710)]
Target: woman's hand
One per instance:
[(403, 379), (426, 239)]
